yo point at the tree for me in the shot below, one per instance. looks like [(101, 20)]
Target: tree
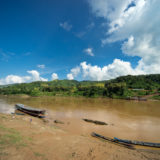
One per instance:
[(115, 89)]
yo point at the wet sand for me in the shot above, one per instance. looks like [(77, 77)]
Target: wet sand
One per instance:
[(45, 141), (71, 140)]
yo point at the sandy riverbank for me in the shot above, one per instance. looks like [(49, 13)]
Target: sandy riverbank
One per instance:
[(39, 140)]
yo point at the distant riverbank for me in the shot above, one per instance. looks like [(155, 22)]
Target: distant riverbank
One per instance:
[(153, 97), (120, 88)]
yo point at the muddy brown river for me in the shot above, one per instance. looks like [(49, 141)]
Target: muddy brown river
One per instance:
[(126, 119)]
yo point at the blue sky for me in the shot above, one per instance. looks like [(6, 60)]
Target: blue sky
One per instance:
[(82, 40)]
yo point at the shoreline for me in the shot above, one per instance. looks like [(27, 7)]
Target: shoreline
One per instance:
[(147, 97), (41, 140)]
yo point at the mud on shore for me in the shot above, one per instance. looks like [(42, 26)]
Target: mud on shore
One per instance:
[(21, 138)]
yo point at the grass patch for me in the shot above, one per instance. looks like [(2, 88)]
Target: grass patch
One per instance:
[(10, 137), (157, 97), (3, 117), (3, 153), (37, 154)]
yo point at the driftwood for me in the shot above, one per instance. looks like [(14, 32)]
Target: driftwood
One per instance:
[(45, 120), (57, 121), (129, 146), (95, 122)]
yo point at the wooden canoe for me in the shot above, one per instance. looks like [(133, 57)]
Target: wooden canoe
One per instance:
[(126, 145), (31, 111), (149, 144)]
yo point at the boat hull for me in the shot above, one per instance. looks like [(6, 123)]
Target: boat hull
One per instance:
[(31, 111), (149, 144)]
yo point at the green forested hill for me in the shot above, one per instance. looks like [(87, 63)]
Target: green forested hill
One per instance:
[(147, 82), (120, 87)]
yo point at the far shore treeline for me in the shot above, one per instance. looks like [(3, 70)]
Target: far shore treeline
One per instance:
[(121, 87)]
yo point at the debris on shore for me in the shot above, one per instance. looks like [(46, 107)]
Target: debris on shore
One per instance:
[(95, 122), (57, 121)]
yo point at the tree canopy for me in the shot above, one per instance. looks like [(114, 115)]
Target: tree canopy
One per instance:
[(120, 87)]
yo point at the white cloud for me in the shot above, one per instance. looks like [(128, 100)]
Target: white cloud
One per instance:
[(10, 79), (54, 76), (135, 23), (70, 76), (66, 26), (36, 76), (42, 66), (74, 72), (89, 51), (116, 69)]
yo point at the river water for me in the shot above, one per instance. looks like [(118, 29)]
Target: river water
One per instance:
[(126, 119)]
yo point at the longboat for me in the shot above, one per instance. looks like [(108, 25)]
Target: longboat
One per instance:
[(31, 111), (129, 146), (149, 144)]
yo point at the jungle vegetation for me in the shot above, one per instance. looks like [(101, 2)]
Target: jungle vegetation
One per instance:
[(121, 87)]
